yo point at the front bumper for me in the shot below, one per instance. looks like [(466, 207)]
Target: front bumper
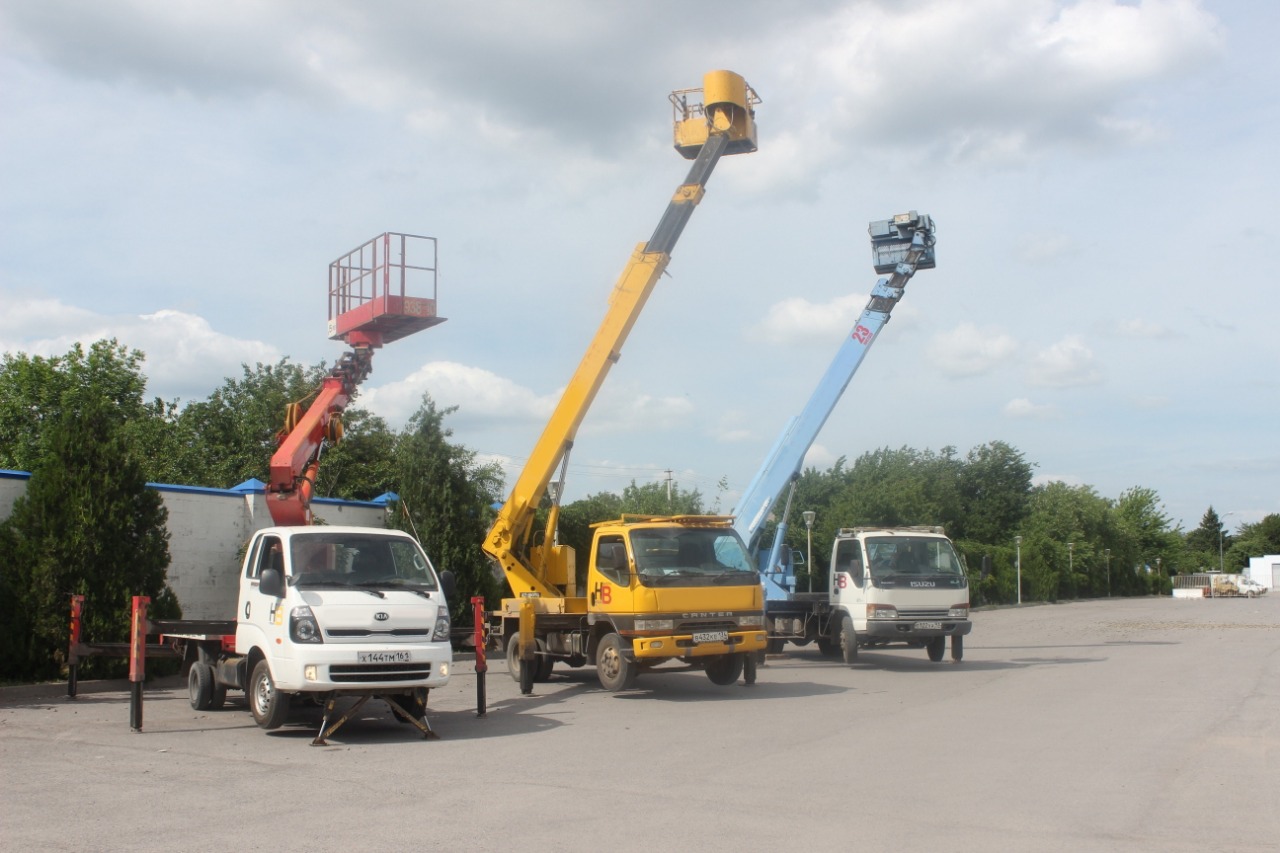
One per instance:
[(337, 666), (683, 646), (909, 629)]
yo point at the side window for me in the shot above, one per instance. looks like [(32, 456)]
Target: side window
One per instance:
[(611, 559), (269, 555), (849, 559)]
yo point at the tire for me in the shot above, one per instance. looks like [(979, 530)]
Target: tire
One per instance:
[(270, 707), (957, 648), (775, 645), (828, 647), (848, 640), (542, 674), (725, 669), (613, 669), (200, 687), (749, 668), (937, 648), (219, 696)]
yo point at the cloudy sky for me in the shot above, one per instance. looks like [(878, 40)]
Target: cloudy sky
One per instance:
[(179, 174)]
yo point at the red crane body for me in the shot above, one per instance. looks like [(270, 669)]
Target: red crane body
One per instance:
[(367, 305)]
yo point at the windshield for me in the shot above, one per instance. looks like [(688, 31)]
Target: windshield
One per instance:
[(683, 556), (368, 561), (901, 558)]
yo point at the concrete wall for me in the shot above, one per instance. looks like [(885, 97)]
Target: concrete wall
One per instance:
[(207, 528), (1265, 570)]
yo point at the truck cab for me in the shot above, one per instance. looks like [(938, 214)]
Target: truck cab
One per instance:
[(326, 611), (898, 586)]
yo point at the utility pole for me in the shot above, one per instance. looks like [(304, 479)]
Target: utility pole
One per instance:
[(668, 472)]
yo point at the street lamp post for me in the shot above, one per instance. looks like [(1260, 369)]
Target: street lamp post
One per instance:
[(1017, 543), (1108, 553), (809, 516)]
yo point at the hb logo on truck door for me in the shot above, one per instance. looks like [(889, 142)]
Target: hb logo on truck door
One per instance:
[(603, 593)]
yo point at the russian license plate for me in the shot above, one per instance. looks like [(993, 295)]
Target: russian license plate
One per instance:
[(928, 626), (384, 657), (711, 636)]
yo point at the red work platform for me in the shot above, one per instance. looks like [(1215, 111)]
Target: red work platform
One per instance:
[(369, 287)]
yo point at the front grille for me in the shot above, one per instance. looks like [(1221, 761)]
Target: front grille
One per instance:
[(692, 625), (356, 672), (390, 632), (923, 612)]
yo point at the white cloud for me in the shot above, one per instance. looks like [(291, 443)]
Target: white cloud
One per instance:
[(969, 351), (1066, 364), (480, 395), (819, 457), (797, 320), (185, 357), (1021, 407)]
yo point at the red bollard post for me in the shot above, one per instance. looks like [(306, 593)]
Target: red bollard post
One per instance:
[(482, 663), (73, 646), (137, 660)]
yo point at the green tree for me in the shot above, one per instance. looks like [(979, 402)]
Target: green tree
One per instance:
[(36, 391), (233, 433), (88, 525), (445, 499), (1254, 540), (1201, 546), (901, 487), (362, 465), (995, 490)]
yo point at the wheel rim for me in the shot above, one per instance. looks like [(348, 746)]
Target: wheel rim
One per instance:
[(610, 663), (262, 694)]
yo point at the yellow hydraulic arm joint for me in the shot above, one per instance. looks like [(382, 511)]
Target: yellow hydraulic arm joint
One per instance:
[(722, 123)]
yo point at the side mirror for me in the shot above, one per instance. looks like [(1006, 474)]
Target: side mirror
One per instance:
[(448, 584), (271, 583)]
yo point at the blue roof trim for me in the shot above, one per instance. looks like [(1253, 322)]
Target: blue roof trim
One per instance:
[(250, 486)]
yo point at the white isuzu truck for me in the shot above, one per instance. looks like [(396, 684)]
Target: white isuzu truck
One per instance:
[(325, 613), (886, 586)]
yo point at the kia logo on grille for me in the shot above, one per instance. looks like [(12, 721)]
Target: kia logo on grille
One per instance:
[(382, 617)]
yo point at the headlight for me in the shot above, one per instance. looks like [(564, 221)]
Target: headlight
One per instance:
[(958, 611), (755, 621), (882, 611), (303, 627), (655, 624), (443, 627)]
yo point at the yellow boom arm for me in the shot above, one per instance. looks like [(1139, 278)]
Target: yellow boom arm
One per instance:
[(723, 124)]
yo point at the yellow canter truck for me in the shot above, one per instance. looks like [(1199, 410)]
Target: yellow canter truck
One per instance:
[(657, 588)]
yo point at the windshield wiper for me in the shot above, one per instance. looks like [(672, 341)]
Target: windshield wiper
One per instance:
[(731, 574), (332, 584)]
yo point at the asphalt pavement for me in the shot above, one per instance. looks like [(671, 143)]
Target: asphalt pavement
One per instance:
[(1119, 725)]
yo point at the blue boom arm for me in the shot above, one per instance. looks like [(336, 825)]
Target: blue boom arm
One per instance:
[(900, 246)]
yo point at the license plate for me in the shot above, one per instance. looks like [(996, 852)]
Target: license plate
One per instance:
[(928, 626), (384, 657), (711, 637)]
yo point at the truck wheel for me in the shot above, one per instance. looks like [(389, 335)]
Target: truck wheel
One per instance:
[(542, 674), (612, 667), (200, 686), (219, 696), (776, 645), (828, 648), (270, 707), (937, 647), (848, 640), (725, 669), (957, 648), (541, 665), (749, 668)]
